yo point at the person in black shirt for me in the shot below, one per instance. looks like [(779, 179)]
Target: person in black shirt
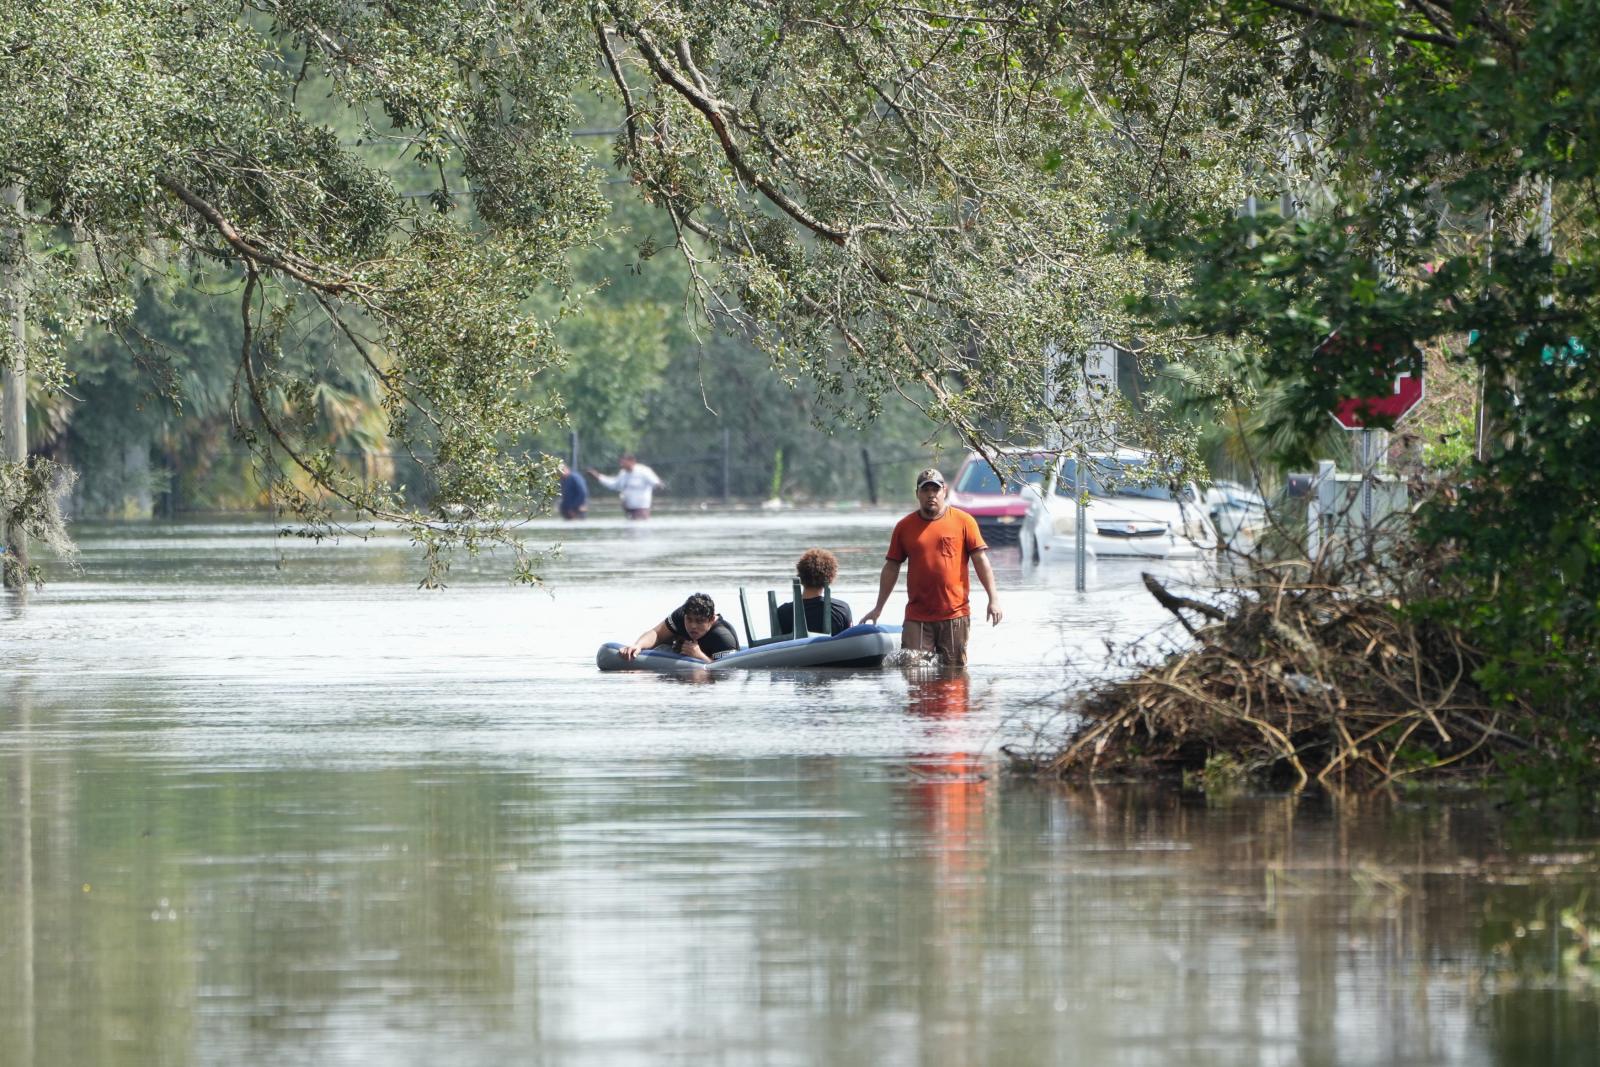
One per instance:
[(694, 630), (817, 569)]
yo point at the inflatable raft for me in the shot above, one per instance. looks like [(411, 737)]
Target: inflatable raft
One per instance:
[(859, 646)]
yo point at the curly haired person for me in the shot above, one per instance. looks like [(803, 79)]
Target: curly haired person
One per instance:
[(817, 569)]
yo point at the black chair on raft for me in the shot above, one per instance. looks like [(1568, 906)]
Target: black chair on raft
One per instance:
[(800, 630)]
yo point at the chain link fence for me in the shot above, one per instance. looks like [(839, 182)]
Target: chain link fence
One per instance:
[(736, 468)]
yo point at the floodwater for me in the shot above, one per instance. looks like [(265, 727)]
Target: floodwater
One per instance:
[(267, 803)]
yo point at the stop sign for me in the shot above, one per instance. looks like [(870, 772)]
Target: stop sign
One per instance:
[(1354, 412)]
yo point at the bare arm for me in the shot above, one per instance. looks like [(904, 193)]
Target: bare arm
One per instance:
[(649, 639), (980, 563), (886, 582), (693, 650)]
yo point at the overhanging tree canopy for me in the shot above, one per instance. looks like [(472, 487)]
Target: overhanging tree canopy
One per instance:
[(886, 197)]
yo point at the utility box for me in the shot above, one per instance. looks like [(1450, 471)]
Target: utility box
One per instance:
[(1337, 511), (1342, 499)]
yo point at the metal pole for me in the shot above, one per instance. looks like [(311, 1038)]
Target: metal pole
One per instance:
[(1480, 422), (872, 482), (1319, 505), (1081, 527), (14, 404), (1313, 525), (572, 449), (1366, 486), (727, 463), (1547, 242)]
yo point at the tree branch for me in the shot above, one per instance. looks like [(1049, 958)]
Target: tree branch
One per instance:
[(1320, 15), (711, 108), (630, 117), (1176, 604), (247, 248), (258, 401)]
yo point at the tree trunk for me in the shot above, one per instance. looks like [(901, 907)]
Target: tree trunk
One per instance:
[(14, 384)]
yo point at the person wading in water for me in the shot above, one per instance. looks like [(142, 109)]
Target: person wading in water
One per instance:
[(938, 541)]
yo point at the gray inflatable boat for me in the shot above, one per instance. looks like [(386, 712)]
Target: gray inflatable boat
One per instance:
[(859, 646)]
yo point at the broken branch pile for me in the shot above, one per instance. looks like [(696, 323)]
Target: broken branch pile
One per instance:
[(1299, 676)]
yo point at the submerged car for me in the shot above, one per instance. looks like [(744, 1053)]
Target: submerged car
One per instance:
[(1238, 512), (999, 505), (1133, 511)]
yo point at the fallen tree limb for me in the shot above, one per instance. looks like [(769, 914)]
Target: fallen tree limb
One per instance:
[(1178, 604)]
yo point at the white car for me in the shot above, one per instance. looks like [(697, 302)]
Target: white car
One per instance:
[(1129, 512), (1238, 513)]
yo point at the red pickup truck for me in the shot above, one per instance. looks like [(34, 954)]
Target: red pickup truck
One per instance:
[(999, 506)]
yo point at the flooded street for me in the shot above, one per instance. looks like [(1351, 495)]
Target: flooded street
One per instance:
[(267, 803)]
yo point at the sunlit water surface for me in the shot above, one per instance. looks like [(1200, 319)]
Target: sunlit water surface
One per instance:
[(267, 803)]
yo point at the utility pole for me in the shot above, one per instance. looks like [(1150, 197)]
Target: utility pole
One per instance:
[(14, 383)]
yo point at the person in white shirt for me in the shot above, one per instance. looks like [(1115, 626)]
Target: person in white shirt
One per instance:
[(636, 482)]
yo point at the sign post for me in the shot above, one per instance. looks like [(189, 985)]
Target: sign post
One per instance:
[(1094, 383), (1099, 382)]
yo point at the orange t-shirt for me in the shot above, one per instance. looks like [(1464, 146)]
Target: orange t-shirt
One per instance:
[(938, 549)]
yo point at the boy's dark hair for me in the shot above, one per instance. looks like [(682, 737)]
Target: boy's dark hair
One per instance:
[(817, 567), (699, 606)]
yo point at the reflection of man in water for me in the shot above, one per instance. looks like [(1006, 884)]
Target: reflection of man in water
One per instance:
[(936, 694), (938, 540), (948, 788)]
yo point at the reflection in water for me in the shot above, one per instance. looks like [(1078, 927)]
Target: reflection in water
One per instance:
[(251, 824), (19, 937), (641, 913), (950, 791), (949, 787), (938, 692)]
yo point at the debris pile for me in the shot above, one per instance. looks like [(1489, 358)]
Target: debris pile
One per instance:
[(1300, 674)]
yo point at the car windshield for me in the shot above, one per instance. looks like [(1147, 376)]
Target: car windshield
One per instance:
[(978, 477), (1109, 477), (1239, 497)]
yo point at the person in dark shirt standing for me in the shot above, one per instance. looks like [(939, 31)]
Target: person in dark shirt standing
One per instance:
[(694, 630), (817, 569), (574, 494)]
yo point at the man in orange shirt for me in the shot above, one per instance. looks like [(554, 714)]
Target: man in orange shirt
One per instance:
[(938, 540)]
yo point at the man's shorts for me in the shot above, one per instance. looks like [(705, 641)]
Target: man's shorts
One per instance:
[(947, 639)]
